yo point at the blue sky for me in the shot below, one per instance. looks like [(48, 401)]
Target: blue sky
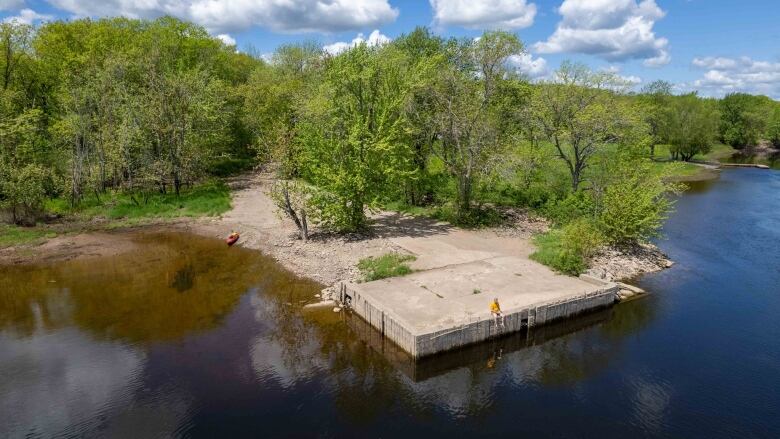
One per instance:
[(713, 46)]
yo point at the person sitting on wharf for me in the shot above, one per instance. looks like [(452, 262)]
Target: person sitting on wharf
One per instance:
[(495, 309)]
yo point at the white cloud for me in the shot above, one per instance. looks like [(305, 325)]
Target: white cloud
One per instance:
[(714, 63), (376, 38), (627, 80), (526, 64), (27, 16), (227, 39), (728, 75), (615, 30), (480, 14), (223, 16), (11, 5)]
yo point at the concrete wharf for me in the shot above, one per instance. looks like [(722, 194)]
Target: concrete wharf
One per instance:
[(445, 305)]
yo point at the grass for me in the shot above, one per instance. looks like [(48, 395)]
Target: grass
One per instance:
[(228, 166), (479, 217), (208, 199), (553, 252), (119, 211), (13, 235), (387, 265), (679, 170), (683, 171), (719, 151)]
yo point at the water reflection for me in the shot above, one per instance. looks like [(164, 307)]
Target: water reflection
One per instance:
[(169, 287), (185, 337), (771, 159), (53, 383)]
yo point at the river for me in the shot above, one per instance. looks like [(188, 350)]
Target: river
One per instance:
[(185, 337)]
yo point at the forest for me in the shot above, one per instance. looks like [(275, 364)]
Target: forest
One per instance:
[(128, 115)]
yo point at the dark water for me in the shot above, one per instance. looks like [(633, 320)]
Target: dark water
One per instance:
[(772, 160), (187, 338)]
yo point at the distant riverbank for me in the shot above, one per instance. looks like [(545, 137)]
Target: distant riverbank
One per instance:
[(326, 258)]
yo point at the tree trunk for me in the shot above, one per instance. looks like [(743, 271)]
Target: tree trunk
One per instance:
[(464, 195), (576, 179), (305, 226), (300, 223)]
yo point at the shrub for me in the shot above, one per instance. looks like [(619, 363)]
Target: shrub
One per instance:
[(568, 249), (633, 209), (23, 193), (552, 252), (574, 206), (227, 166), (387, 265), (583, 236)]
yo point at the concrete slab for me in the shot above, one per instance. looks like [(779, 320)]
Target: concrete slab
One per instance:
[(436, 299), (446, 304)]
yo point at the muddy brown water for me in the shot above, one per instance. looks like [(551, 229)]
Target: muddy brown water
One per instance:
[(184, 337)]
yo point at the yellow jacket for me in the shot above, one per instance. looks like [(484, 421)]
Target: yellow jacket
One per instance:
[(494, 308)]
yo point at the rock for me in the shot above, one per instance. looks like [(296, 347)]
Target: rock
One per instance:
[(631, 288), (322, 304), (625, 263)]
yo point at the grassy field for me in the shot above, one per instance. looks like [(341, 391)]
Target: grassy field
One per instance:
[(116, 210), (689, 171), (13, 235), (681, 170), (719, 152), (208, 199)]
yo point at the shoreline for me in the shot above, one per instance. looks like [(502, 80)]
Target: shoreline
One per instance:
[(326, 258)]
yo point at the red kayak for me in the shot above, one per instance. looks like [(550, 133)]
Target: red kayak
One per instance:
[(232, 239)]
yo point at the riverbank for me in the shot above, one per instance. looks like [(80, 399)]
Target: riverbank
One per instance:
[(329, 258), (326, 258)]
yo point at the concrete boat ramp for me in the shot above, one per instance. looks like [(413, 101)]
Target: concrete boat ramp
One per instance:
[(445, 305)]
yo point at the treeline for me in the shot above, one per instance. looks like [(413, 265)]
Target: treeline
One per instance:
[(690, 125), (128, 105), (441, 126)]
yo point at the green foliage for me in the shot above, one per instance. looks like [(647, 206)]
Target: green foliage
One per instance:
[(655, 100), (108, 117), (773, 128), (576, 205), (567, 249), (15, 235), (208, 199), (117, 105), (580, 113), (468, 118), (228, 166), (22, 192), (584, 237), (634, 206), (272, 99), (689, 126), (743, 119), (353, 136), (387, 265)]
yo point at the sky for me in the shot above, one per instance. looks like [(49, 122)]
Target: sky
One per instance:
[(710, 46)]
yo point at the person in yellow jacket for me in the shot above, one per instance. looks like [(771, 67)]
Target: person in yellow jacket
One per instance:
[(495, 309)]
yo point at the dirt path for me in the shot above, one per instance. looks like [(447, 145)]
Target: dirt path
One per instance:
[(326, 258), (330, 258)]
